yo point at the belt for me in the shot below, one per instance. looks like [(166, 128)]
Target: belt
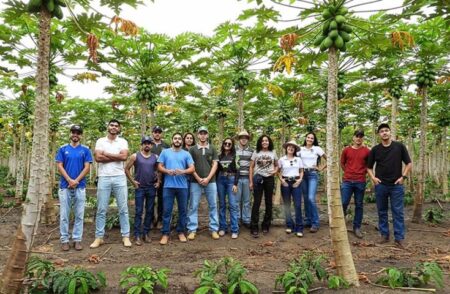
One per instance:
[(226, 174), (310, 169), (291, 179)]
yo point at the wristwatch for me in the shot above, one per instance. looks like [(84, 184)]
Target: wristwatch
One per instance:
[(405, 177)]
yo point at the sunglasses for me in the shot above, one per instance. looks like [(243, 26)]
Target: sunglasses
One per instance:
[(227, 144)]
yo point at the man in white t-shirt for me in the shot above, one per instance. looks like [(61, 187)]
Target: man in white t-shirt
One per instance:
[(111, 152)]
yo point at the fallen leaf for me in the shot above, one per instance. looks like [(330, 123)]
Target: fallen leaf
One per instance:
[(94, 258)]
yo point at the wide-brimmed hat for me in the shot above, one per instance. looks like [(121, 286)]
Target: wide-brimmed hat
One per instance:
[(243, 133), (292, 143)]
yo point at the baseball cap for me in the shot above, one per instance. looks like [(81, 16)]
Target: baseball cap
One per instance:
[(382, 126), (358, 133), (157, 129), (76, 128), (147, 139), (202, 129)]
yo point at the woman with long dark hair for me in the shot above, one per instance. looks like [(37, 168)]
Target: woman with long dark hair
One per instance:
[(227, 181), (263, 167), (188, 141), (310, 153)]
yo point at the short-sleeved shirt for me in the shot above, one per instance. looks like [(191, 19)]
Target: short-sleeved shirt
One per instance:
[(203, 157), (114, 168), (355, 163), (264, 162), (175, 160), (243, 157), (389, 161), (158, 148), (290, 167), (310, 156), (73, 160)]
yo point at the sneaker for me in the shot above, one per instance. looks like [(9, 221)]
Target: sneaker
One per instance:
[(358, 233), (215, 236), (164, 240), (234, 235), (383, 239), (126, 242), (299, 234), (255, 234), (97, 243), (147, 238), (400, 244), (182, 238), (77, 245), (221, 233), (159, 225), (191, 236), (313, 229), (137, 241), (65, 246), (288, 231), (265, 230)]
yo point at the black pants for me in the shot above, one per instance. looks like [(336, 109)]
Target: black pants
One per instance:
[(262, 185), (159, 195)]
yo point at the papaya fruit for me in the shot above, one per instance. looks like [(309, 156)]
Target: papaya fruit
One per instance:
[(325, 27), (343, 48), (319, 40), (339, 42), (332, 9), (340, 19), (50, 5), (60, 3), (58, 13), (322, 46), (34, 6), (333, 25), (346, 28), (333, 34), (328, 42), (342, 11), (345, 36), (326, 14)]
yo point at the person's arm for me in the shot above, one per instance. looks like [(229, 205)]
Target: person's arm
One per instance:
[(211, 174), (128, 166), (122, 156), (250, 174), (62, 171), (99, 157), (370, 164), (84, 172), (280, 175), (343, 159), (405, 173)]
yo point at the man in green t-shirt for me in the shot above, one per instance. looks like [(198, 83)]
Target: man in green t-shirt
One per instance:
[(205, 161)]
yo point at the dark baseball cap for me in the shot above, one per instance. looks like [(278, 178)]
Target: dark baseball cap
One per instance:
[(382, 126), (147, 139), (358, 133), (157, 129), (76, 128), (202, 129)]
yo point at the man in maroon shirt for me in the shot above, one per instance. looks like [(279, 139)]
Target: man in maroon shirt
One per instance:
[(354, 164)]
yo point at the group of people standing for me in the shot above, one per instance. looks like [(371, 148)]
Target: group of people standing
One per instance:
[(190, 167)]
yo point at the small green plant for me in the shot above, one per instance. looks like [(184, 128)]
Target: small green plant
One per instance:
[(419, 276), (8, 204), (112, 221), (370, 198), (143, 279), (434, 215), (337, 282), (301, 273), (408, 199), (11, 192), (224, 276), (38, 273), (76, 281)]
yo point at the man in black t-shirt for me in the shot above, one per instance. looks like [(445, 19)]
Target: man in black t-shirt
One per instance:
[(388, 180)]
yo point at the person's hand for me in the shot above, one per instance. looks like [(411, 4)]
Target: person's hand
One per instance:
[(297, 183), (171, 172), (204, 181), (234, 189), (399, 181), (178, 171), (283, 183), (156, 185), (136, 184), (376, 181), (250, 186), (73, 183)]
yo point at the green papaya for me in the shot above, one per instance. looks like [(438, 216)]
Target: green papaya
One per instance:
[(344, 47), (342, 11), (345, 36), (426, 81), (326, 14), (322, 46), (347, 28), (339, 42), (319, 40), (333, 25), (340, 19), (61, 3), (325, 27), (333, 34), (421, 79), (50, 5), (34, 6), (328, 42), (332, 9), (58, 13)]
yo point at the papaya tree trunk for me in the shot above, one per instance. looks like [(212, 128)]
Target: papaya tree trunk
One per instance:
[(38, 185), (240, 106), (221, 126), (338, 231), (143, 117), (21, 165), (394, 111), (444, 174), (152, 117), (419, 197), (50, 215)]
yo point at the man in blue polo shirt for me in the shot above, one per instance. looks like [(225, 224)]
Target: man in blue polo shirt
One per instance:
[(73, 161)]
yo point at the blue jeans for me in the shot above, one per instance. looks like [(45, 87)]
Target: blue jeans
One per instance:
[(357, 188), (194, 201), (118, 186), (67, 198), (243, 194), (309, 190), (225, 188), (142, 195), (169, 195), (395, 193), (290, 193)]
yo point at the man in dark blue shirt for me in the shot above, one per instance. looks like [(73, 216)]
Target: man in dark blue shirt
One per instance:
[(73, 161)]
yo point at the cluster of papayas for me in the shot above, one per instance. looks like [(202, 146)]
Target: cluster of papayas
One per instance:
[(426, 77), (222, 105), (52, 79), (53, 6), (335, 31), (340, 87), (241, 80), (146, 89), (396, 87)]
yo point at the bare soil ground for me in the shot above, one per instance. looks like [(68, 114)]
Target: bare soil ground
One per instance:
[(265, 257)]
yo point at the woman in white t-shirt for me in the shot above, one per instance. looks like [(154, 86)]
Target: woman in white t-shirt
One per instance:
[(291, 175), (310, 154)]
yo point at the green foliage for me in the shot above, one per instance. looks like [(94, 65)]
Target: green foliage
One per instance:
[(143, 279), (434, 215), (419, 276), (224, 276), (38, 271), (337, 282), (408, 198), (302, 273), (370, 198)]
